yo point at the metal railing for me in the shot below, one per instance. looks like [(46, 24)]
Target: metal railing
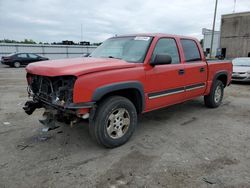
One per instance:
[(50, 51)]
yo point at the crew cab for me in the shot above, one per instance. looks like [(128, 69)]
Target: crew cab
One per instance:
[(125, 76)]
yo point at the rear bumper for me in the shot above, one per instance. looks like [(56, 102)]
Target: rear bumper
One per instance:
[(6, 62)]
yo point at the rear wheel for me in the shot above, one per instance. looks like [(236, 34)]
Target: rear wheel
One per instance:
[(17, 64), (214, 99), (114, 121)]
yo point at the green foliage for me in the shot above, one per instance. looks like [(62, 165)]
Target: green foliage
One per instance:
[(25, 41), (201, 42), (30, 41)]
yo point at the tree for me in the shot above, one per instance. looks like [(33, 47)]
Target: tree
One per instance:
[(25, 41), (201, 42), (28, 41)]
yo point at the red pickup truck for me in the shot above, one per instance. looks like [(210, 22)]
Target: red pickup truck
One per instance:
[(125, 76)]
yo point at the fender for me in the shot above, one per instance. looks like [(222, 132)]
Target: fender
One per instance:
[(217, 74), (103, 90)]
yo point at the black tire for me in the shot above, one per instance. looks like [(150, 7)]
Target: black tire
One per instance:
[(16, 64), (98, 125), (212, 100)]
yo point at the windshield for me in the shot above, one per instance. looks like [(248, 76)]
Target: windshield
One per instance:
[(131, 49), (244, 62)]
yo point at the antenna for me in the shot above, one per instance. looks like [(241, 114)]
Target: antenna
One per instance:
[(81, 32)]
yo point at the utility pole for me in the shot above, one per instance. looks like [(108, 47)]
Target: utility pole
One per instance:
[(212, 40), (234, 6)]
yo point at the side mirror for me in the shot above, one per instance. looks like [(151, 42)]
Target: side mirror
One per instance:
[(161, 59)]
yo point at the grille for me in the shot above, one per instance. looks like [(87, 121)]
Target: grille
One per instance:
[(238, 78), (53, 89), (239, 73)]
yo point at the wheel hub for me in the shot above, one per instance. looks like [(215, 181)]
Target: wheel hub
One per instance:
[(118, 123), (217, 95)]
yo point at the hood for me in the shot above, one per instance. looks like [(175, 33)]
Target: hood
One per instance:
[(241, 69), (76, 66)]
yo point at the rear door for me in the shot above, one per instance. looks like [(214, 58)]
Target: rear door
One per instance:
[(23, 58), (165, 83), (195, 69)]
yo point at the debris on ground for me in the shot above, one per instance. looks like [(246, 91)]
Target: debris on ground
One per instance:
[(54, 158), (3, 165), (189, 121), (206, 158), (20, 104), (44, 138), (209, 181), (46, 129), (23, 147), (6, 123)]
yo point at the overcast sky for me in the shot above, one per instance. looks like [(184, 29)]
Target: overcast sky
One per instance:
[(57, 20)]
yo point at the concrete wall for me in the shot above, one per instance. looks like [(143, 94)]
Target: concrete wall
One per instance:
[(235, 34), (50, 51)]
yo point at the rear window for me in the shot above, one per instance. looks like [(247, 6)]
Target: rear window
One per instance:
[(33, 56), (191, 50), (22, 55)]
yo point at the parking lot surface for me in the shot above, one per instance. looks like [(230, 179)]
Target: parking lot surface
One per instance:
[(186, 145)]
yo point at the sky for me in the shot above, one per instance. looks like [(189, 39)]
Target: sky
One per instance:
[(57, 20)]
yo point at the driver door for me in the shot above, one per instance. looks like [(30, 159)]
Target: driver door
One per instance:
[(165, 83), (33, 58)]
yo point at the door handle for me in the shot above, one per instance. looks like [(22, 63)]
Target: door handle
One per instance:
[(181, 71), (202, 69)]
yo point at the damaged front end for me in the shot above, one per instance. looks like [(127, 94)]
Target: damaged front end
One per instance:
[(55, 94)]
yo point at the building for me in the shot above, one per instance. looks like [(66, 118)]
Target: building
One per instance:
[(207, 38), (235, 35)]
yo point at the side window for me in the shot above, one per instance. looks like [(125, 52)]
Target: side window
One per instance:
[(22, 55), (191, 50), (167, 46), (33, 56)]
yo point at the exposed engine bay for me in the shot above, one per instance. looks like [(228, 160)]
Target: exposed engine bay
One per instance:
[(55, 90), (55, 94)]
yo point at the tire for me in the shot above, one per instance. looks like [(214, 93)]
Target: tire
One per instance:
[(16, 64), (214, 99), (114, 121)]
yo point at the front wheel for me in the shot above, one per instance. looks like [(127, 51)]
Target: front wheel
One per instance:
[(214, 99), (114, 121)]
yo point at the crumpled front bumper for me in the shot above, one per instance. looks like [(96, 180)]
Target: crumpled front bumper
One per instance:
[(32, 105)]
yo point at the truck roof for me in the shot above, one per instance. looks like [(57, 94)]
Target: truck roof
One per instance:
[(159, 35)]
